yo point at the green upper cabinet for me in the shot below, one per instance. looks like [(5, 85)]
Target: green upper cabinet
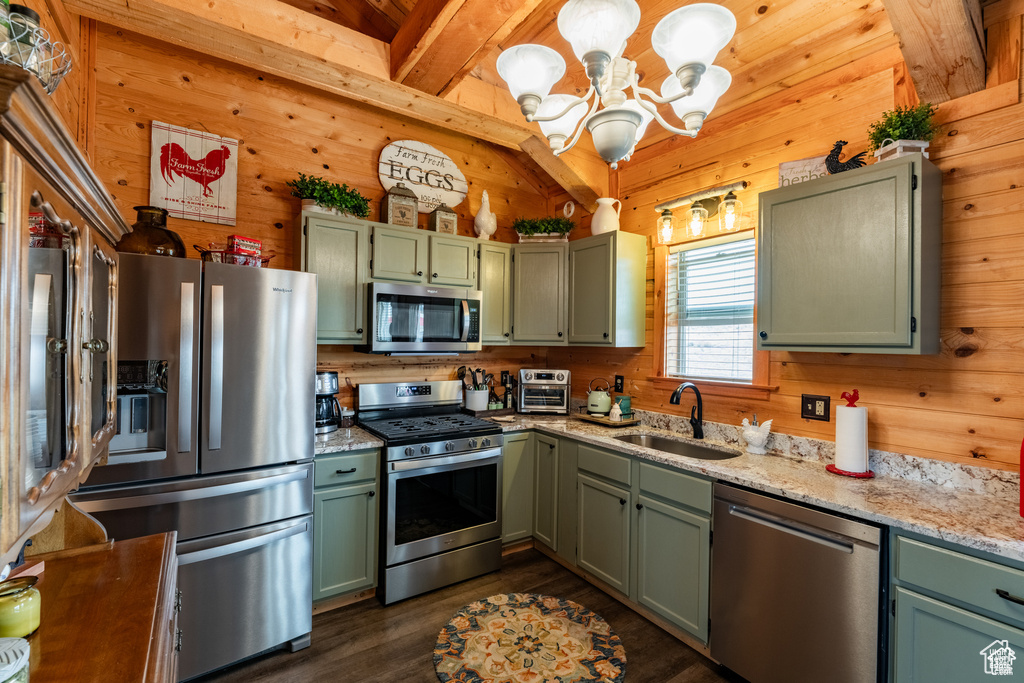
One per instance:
[(337, 250), (539, 294), (850, 262), (607, 289), (495, 284), (399, 254), (453, 260)]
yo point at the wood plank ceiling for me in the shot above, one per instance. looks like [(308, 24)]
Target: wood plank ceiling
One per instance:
[(392, 52)]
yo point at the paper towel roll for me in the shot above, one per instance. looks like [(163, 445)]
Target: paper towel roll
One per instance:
[(852, 438)]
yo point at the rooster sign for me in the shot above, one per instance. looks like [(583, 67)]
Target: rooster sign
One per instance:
[(193, 174)]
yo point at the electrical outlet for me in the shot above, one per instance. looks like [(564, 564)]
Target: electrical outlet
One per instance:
[(620, 383), (815, 407)]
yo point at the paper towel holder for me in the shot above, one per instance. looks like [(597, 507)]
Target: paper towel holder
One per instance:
[(851, 399)]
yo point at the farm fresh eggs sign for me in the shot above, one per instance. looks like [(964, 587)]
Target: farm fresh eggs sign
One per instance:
[(193, 174), (425, 170)]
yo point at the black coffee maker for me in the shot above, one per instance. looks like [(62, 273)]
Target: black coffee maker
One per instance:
[(328, 412)]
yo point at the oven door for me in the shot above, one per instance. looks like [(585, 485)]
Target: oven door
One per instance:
[(417, 319), (442, 503), (543, 398)]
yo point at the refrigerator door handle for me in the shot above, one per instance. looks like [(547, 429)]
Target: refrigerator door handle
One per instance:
[(241, 546), (184, 495), (186, 329), (216, 364)]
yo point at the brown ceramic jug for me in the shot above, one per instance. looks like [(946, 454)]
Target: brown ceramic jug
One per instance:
[(150, 235)]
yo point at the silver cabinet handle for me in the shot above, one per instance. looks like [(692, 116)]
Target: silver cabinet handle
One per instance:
[(186, 329), (216, 364)]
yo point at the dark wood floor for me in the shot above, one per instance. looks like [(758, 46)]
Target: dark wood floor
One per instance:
[(368, 643)]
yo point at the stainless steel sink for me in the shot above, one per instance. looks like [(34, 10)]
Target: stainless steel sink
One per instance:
[(689, 450)]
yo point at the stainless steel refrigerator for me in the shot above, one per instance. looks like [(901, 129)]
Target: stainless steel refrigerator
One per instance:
[(216, 393)]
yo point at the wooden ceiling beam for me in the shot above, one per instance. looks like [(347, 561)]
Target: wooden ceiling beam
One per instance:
[(943, 45), (277, 39), (418, 33)]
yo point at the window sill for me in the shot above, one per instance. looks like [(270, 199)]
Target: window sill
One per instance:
[(715, 388)]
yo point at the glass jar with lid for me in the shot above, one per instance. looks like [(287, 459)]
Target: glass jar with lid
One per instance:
[(19, 607), (24, 29)]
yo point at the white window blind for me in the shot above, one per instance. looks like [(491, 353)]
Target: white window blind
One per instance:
[(709, 317)]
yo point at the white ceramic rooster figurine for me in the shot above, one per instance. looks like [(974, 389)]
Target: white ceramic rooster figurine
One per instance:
[(756, 436), (485, 223)]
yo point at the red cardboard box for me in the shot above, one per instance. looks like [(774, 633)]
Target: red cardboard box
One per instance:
[(244, 245)]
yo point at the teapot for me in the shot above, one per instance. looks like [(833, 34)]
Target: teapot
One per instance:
[(606, 218), (599, 401)]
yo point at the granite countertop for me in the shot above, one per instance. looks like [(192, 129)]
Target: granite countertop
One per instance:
[(340, 440), (988, 521)]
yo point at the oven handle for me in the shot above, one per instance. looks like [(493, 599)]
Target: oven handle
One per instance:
[(465, 320), (442, 461)]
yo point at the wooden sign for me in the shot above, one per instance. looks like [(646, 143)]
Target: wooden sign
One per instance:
[(193, 174), (425, 170), (793, 172)]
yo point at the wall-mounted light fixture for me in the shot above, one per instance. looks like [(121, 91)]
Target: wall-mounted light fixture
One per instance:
[(687, 39), (702, 205)]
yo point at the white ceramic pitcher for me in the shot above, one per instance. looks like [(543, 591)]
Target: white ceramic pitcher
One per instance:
[(606, 218)]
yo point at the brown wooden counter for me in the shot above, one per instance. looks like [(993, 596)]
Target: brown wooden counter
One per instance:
[(108, 614)]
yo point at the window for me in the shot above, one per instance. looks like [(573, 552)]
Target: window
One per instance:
[(709, 316)]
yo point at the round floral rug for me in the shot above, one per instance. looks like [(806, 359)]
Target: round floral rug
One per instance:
[(528, 638)]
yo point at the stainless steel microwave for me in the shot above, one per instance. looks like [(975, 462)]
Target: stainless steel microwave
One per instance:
[(421, 320)]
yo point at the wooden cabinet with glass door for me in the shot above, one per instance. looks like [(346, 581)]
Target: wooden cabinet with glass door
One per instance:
[(58, 284)]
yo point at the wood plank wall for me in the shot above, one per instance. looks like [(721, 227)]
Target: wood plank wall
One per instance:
[(965, 404)]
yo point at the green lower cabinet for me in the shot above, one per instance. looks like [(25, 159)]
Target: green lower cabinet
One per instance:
[(545, 490), (567, 492), (673, 563), (517, 488), (935, 641), (603, 543)]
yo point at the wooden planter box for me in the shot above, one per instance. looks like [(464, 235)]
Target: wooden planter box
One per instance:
[(901, 148)]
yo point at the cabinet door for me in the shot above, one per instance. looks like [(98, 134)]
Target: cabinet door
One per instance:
[(538, 296), (344, 539), (567, 463), (545, 491), (938, 642), (338, 252), (835, 260), (517, 488), (100, 343), (399, 254), (673, 564), (603, 541), (453, 261), (495, 283), (591, 296)]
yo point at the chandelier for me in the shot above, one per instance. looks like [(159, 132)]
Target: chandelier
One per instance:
[(688, 39)]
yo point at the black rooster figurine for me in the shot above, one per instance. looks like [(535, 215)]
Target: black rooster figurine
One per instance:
[(833, 165)]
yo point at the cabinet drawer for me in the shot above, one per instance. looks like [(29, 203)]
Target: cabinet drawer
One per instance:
[(961, 577), (677, 487), (332, 470), (601, 462)]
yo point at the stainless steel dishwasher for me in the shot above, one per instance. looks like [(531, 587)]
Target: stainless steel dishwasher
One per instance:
[(795, 593)]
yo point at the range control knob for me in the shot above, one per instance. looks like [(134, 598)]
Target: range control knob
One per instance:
[(561, 376), (486, 443), (449, 445), (425, 450), (472, 443), (529, 376), (410, 451)]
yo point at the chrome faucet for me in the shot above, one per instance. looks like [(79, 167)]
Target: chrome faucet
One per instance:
[(696, 412)]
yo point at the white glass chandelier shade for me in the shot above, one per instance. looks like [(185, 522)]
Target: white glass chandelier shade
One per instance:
[(698, 214), (598, 25), (729, 213), (563, 126), (694, 108), (530, 69), (693, 35), (647, 117)]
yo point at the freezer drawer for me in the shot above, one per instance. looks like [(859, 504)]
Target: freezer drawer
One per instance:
[(796, 593), (242, 593), (203, 506)]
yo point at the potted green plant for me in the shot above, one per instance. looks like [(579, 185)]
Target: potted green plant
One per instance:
[(550, 229), (902, 131), (318, 194)]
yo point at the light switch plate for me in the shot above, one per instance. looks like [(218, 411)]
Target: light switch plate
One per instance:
[(815, 407)]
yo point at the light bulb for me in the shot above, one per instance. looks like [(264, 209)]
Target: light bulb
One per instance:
[(698, 214), (665, 229), (729, 213)]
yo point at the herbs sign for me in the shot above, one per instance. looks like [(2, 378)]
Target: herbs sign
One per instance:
[(425, 170)]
